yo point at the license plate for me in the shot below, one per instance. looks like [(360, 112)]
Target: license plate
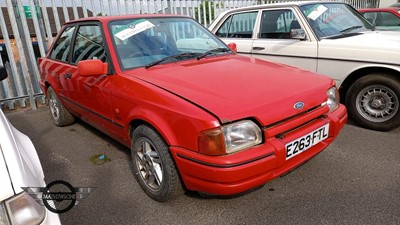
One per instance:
[(305, 142)]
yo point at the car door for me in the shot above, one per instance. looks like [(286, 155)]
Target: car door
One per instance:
[(273, 41), (238, 28), (91, 95), (58, 67)]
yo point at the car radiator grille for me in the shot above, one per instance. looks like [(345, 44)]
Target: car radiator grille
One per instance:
[(280, 128)]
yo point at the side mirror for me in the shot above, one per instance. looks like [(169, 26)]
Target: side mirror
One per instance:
[(233, 47), (3, 73), (298, 34), (92, 67)]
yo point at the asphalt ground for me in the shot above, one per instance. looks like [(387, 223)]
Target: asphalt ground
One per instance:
[(356, 180)]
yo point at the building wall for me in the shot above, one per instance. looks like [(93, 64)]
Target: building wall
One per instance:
[(386, 3)]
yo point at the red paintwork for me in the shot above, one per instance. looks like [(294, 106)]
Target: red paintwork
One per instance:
[(92, 67), (182, 99), (392, 10)]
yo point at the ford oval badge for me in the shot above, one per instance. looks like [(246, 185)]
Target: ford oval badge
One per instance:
[(298, 105)]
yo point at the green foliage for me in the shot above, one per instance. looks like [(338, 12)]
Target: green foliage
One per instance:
[(207, 4)]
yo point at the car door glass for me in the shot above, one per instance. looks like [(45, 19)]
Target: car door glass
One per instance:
[(371, 17), (61, 47), (277, 24), (88, 44), (238, 26), (388, 19)]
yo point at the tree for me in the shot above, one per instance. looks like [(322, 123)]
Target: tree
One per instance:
[(207, 4)]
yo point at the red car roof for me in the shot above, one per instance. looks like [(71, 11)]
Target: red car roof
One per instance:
[(393, 10), (105, 19)]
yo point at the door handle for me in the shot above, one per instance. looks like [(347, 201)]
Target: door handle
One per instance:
[(258, 48), (67, 76)]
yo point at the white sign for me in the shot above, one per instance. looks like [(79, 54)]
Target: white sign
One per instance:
[(133, 29), (317, 12)]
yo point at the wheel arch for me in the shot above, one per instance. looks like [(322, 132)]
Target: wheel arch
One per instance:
[(361, 72), (46, 87), (50, 83), (158, 124)]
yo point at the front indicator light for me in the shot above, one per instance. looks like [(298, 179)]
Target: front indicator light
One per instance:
[(3, 215), (22, 209), (211, 142)]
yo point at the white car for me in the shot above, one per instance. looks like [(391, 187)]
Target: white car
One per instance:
[(329, 38), (20, 167)]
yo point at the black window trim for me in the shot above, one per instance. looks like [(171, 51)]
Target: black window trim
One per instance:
[(57, 38), (77, 25)]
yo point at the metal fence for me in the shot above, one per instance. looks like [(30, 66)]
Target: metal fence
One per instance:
[(29, 26)]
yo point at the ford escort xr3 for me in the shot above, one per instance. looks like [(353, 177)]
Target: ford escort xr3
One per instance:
[(195, 115)]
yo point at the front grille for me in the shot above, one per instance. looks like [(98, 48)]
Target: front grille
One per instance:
[(282, 127)]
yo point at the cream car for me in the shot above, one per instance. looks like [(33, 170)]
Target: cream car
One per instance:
[(329, 38), (20, 167)]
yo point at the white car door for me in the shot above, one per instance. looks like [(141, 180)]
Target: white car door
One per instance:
[(273, 41)]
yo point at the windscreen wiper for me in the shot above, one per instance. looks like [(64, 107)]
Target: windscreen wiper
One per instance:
[(213, 51), (177, 56), (343, 33), (347, 30)]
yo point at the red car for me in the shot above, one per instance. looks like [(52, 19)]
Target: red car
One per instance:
[(195, 115), (383, 18)]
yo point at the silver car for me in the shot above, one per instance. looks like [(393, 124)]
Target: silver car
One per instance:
[(20, 167)]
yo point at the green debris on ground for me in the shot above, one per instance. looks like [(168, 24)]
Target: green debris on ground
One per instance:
[(99, 159)]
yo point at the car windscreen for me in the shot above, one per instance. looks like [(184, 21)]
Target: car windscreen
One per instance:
[(145, 42), (334, 19)]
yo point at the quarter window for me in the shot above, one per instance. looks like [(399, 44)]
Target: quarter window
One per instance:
[(88, 44), (238, 26), (62, 45)]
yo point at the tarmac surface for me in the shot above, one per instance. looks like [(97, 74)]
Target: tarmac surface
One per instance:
[(356, 180)]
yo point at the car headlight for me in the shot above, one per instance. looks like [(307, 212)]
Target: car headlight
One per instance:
[(21, 209), (333, 98), (230, 138)]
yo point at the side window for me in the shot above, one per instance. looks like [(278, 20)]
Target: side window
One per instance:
[(238, 26), (61, 47), (277, 24), (88, 44), (388, 19)]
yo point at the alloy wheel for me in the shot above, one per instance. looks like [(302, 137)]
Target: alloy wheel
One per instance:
[(149, 164), (377, 103)]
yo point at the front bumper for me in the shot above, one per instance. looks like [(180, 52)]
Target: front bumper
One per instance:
[(239, 172)]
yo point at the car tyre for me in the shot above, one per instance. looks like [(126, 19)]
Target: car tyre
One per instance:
[(373, 102), (61, 116), (153, 165)]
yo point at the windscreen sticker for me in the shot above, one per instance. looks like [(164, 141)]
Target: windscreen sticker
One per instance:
[(316, 12), (131, 29)]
